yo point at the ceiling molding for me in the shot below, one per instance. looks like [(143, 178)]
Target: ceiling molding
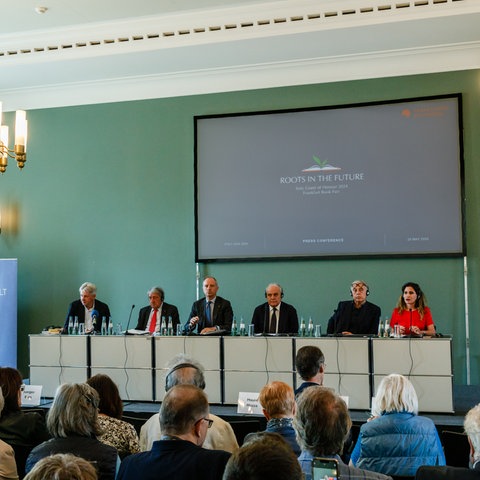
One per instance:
[(237, 48)]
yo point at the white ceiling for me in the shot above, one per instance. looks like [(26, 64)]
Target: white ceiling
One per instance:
[(93, 51)]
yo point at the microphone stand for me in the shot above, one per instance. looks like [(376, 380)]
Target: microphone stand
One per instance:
[(129, 318)]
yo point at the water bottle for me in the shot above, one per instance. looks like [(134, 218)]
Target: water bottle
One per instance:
[(303, 328), (110, 327), (75, 326), (234, 328), (242, 327), (386, 333), (70, 325), (163, 327), (170, 327), (104, 326), (380, 329), (310, 327)]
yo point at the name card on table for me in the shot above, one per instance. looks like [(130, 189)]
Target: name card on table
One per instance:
[(248, 403), (31, 395)]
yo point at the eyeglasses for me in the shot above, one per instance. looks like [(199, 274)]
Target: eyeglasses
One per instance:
[(210, 422)]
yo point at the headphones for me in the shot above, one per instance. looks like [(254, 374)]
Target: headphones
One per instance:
[(357, 282), (275, 285), (185, 365)]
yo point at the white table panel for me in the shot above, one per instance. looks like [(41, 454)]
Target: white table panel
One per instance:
[(247, 354), (54, 350), (133, 383), (121, 351), (236, 382), (205, 350), (51, 377)]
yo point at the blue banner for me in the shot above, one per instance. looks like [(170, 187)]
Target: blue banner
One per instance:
[(8, 312)]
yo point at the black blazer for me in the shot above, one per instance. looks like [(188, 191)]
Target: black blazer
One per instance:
[(167, 311), (222, 315), (346, 318), (76, 309), (447, 473), (287, 322)]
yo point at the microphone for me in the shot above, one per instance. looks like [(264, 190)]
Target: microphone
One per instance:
[(94, 316), (265, 320), (130, 317)]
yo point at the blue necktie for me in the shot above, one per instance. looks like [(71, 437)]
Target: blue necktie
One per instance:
[(208, 314)]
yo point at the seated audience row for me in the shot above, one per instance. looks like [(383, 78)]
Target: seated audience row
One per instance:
[(214, 313)]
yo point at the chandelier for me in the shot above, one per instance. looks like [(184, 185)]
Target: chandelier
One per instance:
[(19, 151)]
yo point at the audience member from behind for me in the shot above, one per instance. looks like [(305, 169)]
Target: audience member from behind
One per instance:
[(116, 432), (278, 404), (275, 316), (62, 466), (211, 313), (150, 317), (21, 430), (356, 316), (87, 306), (182, 369), (184, 420), (265, 456), (8, 467), (310, 365), (322, 424), (73, 424), (397, 441), (471, 425), (411, 313)]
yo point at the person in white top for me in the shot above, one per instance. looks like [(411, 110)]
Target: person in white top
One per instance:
[(185, 370)]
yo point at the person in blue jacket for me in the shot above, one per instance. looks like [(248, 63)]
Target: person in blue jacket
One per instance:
[(397, 441)]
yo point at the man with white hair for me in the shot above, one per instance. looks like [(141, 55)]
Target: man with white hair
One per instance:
[(471, 425)]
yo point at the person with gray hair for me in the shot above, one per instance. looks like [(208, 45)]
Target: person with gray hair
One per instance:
[(8, 467), (62, 466), (88, 309), (150, 317), (397, 441), (471, 426), (322, 424), (355, 316), (184, 420), (183, 369), (73, 423)]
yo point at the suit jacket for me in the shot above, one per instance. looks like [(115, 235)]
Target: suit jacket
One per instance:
[(448, 473), (76, 309), (287, 321), (167, 311), (347, 318), (222, 315)]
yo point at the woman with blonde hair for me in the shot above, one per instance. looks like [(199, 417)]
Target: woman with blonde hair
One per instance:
[(62, 466), (73, 423), (397, 441)]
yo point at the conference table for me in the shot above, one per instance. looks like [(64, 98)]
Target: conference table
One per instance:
[(139, 363)]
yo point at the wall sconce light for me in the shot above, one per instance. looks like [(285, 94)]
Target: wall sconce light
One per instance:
[(19, 152)]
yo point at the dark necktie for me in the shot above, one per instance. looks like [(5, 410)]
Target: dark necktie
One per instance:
[(208, 313), (273, 321)]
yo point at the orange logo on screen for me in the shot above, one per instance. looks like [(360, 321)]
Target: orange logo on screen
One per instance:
[(407, 112)]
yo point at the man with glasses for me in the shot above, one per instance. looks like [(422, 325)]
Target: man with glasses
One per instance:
[(184, 421)]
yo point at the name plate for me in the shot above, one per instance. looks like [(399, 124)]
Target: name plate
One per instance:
[(31, 395), (248, 403)]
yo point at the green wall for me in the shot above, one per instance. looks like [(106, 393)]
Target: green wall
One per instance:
[(107, 196)]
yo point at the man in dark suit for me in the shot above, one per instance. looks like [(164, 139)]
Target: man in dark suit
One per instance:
[(150, 317), (184, 421), (211, 313), (275, 316), (471, 425), (356, 316), (88, 309)]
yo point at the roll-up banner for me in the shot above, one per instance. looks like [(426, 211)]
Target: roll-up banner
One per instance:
[(8, 312)]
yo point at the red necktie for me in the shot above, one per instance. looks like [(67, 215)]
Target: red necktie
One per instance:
[(153, 321)]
